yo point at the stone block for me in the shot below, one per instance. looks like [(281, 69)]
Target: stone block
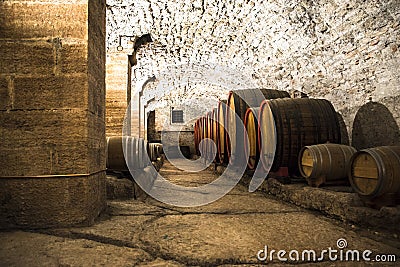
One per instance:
[(50, 92), (4, 94), (49, 202), (73, 57), (42, 142), (39, 19), (27, 57)]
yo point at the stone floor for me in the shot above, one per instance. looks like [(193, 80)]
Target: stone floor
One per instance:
[(228, 232)]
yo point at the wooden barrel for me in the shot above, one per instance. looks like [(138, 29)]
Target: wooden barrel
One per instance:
[(287, 125), (151, 151), (141, 153), (251, 145), (131, 154), (238, 102), (222, 141), (160, 149), (205, 136), (325, 163), (201, 136), (375, 174), (214, 133), (154, 151), (196, 136), (115, 157), (209, 147), (146, 159)]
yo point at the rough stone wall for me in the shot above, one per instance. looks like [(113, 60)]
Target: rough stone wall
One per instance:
[(344, 51), (52, 149)]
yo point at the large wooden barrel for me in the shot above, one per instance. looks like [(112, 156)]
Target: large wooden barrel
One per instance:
[(287, 125), (325, 163), (214, 133), (238, 102), (202, 121), (205, 136), (251, 146), (209, 146), (375, 173), (196, 136), (222, 138)]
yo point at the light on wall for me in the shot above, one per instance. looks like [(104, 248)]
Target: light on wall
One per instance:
[(132, 38)]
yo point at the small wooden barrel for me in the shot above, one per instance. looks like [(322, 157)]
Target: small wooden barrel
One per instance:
[(122, 153), (142, 158), (251, 145), (325, 163), (131, 154), (151, 151), (287, 125), (115, 153), (146, 159), (375, 175), (154, 151), (222, 138), (160, 149), (238, 103)]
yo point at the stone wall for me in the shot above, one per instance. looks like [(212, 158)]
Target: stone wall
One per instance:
[(52, 149), (344, 51), (116, 91)]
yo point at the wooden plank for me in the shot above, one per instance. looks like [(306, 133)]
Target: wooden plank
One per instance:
[(365, 172), (307, 164), (367, 186), (307, 170)]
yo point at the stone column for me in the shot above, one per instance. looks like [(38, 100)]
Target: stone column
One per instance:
[(52, 112)]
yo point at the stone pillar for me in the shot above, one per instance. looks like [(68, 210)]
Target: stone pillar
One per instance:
[(52, 112)]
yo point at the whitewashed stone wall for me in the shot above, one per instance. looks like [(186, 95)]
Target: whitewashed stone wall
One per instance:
[(344, 51)]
